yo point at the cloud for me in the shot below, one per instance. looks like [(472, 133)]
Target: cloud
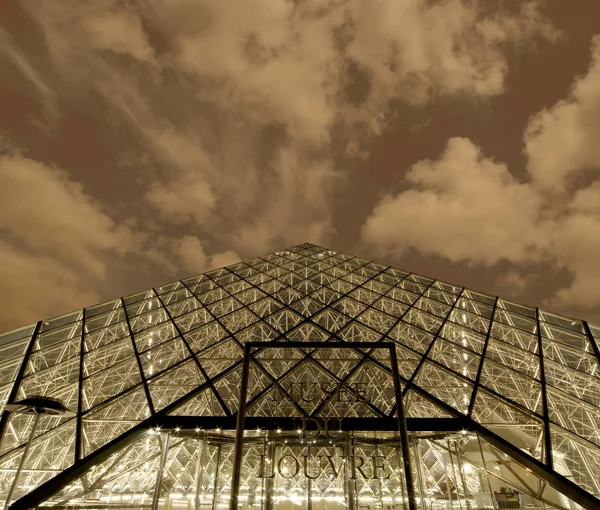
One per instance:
[(48, 213), (462, 206), (55, 240), (60, 249), (563, 139), (120, 31), (223, 113), (33, 78), (576, 244), (36, 286), (229, 106), (421, 51), (468, 208), (188, 198), (189, 250)]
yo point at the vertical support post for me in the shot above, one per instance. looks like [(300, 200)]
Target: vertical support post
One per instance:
[(461, 470), (410, 489), (79, 425), (239, 432), (350, 483), (454, 473), (308, 481), (448, 480), (483, 463), (401, 468), (547, 439), (200, 464), (268, 482), (164, 448), (23, 459), (216, 482)]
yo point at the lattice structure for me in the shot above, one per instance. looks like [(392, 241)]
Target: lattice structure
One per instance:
[(528, 377)]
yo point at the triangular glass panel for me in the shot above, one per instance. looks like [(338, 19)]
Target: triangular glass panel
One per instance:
[(215, 360), (114, 418), (203, 404), (228, 388), (174, 383), (277, 361), (417, 406)]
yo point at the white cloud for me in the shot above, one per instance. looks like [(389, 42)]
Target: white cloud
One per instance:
[(188, 198), (189, 250), (468, 208), (120, 31), (576, 245), (418, 51), (226, 110), (213, 80), (49, 213), (59, 247), (563, 139), (464, 207), (36, 286), (55, 241)]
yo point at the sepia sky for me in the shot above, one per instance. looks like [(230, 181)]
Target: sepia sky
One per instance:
[(142, 141)]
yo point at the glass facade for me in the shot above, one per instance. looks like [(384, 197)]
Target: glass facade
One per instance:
[(305, 378)]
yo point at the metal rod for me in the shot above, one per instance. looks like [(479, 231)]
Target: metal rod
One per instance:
[(456, 486), (199, 471), (547, 439), (268, 481), (164, 448), (137, 357), (461, 471), (410, 489), (239, 431), (400, 477), (216, 482), (17, 384), (431, 345), (352, 503), (79, 424), (485, 469), (481, 361), (193, 354), (446, 477), (592, 341), (23, 459)]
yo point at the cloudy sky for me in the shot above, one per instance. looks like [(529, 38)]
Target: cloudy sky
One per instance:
[(142, 141)]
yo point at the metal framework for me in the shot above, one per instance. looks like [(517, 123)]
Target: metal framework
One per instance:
[(522, 383)]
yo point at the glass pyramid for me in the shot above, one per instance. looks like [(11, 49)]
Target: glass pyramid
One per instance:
[(501, 402)]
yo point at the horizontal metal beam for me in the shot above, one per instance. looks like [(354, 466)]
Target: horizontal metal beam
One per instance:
[(284, 423)]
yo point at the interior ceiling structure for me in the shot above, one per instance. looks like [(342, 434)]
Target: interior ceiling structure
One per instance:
[(526, 381)]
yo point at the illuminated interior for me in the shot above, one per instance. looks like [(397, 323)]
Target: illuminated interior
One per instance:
[(347, 367)]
